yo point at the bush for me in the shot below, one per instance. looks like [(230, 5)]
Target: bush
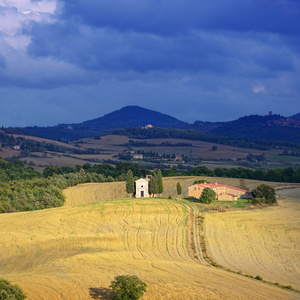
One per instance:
[(265, 192), (128, 287), (258, 278), (10, 292), (208, 195)]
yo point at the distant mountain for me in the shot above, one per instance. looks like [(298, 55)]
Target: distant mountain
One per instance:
[(128, 116), (271, 127), (131, 116), (296, 116), (205, 126), (274, 127)]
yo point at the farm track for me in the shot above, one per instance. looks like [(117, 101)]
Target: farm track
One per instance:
[(62, 253)]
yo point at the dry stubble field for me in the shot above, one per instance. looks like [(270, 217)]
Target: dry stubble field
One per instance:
[(75, 252), (264, 242)]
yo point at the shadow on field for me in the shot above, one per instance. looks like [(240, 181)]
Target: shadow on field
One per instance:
[(101, 293)]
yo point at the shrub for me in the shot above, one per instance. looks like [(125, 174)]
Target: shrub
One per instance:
[(289, 287), (10, 292), (208, 195), (265, 192), (128, 287), (258, 277)]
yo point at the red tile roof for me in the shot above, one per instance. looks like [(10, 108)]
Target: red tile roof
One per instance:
[(220, 185)]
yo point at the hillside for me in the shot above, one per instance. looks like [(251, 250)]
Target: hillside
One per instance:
[(128, 116), (131, 116), (296, 116), (274, 127), (271, 127), (73, 253), (252, 242)]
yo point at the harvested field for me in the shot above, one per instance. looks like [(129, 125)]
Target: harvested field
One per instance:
[(264, 242), (94, 192), (292, 193), (75, 252)]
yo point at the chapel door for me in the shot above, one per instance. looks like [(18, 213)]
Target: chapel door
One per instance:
[(142, 193)]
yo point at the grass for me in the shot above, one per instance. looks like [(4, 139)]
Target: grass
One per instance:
[(222, 205), (274, 157)]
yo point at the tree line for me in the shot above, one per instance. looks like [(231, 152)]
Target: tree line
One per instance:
[(23, 189), (193, 134)]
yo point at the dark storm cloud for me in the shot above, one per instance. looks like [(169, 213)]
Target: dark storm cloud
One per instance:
[(194, 59), (178, 16)]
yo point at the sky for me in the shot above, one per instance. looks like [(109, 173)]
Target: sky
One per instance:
[(209, 60)]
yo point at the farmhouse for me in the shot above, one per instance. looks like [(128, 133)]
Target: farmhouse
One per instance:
[(138, 156), (224, 192), (142, 187)]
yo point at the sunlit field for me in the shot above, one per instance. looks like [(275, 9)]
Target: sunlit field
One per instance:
[(66, 253), (263, 242)]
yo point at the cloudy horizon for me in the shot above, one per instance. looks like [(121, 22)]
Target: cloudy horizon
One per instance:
[(67, 62)]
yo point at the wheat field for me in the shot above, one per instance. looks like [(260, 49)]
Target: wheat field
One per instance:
[(75, 252), (263, 242)]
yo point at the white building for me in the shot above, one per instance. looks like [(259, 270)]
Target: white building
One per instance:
[(142, 188)]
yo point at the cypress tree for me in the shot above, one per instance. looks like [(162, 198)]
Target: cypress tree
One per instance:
[(153, 186), (129, 182), (160, 182), (179, 189)]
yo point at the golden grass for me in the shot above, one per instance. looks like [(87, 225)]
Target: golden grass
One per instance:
[(264, 242), (65, 252), (94, 192)]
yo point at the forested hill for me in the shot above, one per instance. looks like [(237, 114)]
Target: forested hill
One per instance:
[(296, 116), (274, 127), (128, 116), (132, 116), (255, 127)]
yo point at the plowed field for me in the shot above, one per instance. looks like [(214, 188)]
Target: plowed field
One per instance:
[(75, 252), (264, 242)]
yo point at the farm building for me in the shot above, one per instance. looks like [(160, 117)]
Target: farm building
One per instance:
[(224, 192), (142, 187)]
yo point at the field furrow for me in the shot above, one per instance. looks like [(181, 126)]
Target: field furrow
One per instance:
[(65, 253), (263, 242)]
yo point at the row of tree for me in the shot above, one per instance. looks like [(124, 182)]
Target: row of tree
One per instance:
[(190, 134)]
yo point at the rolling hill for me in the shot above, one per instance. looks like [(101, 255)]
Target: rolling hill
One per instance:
[(255, 127), (128, 116)]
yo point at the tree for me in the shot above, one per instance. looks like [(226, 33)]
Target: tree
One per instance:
[(265, 191), (243, 184), (128, 287), (208, 195), (179, 189), (153, 187), (129, 182), (10, 292), (160, 182)]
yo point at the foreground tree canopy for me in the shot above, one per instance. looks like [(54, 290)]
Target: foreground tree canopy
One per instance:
[(10, 292), (128, 287)]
